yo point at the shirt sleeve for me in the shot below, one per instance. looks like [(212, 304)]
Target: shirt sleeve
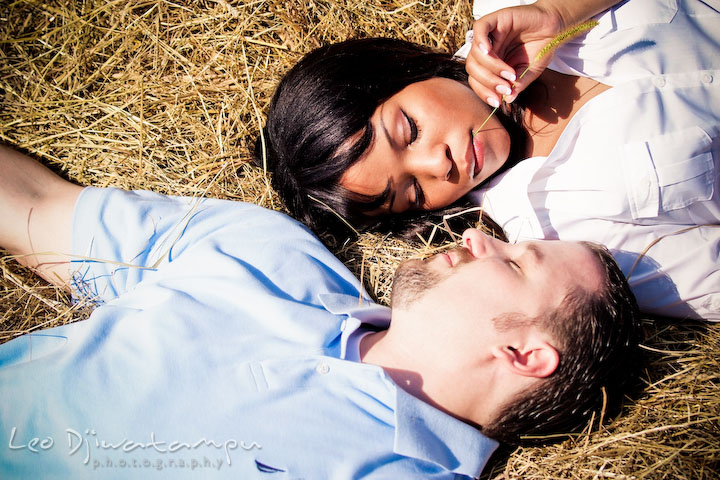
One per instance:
[(121, 239)]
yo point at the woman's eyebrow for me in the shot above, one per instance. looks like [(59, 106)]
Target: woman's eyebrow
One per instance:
[(387, 133)]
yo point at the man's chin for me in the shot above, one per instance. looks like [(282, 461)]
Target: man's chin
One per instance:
[(412, 279)]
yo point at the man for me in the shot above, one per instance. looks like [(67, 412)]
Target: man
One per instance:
[(230, 342)]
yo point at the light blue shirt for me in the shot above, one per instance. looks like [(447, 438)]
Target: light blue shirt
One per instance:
[(217, 350)]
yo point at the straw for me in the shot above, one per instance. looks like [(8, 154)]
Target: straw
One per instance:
[(157, 95)]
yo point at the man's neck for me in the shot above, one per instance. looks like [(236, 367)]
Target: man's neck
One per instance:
[(377, 349), (459, 394), (367, 346)]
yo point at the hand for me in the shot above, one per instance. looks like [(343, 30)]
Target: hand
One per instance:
[(504, 44)]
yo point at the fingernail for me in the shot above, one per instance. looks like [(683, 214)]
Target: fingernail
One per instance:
[(509, 76), (503, 90), (509, 98), (484, 50), (493, 102)]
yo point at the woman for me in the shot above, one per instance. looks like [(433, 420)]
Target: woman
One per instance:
[(634, 165)]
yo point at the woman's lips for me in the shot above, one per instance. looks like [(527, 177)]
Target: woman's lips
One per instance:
[(477, 156)]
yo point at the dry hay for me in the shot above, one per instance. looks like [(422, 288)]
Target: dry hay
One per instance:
[(168, 96)]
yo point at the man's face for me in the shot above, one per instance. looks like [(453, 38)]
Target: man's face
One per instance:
[(487, 278)]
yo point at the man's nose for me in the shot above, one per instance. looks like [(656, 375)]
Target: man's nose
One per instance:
[(435, 162), (479, 244)]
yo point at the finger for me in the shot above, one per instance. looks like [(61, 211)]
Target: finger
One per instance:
[(521, 85), (489, 85), (495, 35), (492, 65), (525, 77), (492, 79), (481, 33), (485, 94)]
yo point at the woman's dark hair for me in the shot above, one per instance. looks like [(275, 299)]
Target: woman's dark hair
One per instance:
[(323, 101)]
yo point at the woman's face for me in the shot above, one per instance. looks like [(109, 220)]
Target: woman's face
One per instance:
[(423, 153)]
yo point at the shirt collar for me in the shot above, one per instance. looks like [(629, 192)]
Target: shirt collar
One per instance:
[(424, 432), (359, 307), (359, 310), (421, 431)]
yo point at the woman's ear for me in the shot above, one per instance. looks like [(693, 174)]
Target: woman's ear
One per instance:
[(536, 359)]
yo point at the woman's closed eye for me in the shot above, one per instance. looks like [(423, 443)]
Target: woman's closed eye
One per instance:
[(419, 199), (412, 126)]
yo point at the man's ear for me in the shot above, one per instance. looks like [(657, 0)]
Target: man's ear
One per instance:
[(535, 359)]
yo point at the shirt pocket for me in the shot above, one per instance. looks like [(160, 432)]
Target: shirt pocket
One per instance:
[(669, 172), (251, 377)]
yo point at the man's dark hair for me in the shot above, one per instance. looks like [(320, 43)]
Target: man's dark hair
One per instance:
[(599, 335), (328, 98)]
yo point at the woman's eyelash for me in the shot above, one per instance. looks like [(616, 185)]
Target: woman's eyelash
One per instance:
[(413, 127)]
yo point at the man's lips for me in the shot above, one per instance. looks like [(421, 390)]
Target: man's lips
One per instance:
[(456, 256)]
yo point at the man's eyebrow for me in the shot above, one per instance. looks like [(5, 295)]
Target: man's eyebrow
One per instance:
[(536, 252)]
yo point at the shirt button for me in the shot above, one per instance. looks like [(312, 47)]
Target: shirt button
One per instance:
[(706, 78), (323, 368), (659, 82)]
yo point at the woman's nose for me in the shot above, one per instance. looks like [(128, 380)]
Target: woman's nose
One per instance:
[(479, 244), (433, 163)]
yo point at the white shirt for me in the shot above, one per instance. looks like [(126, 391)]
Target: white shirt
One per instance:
[(637, 167)]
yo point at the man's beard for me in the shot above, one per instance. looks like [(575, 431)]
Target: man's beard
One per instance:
[(412, 279)]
